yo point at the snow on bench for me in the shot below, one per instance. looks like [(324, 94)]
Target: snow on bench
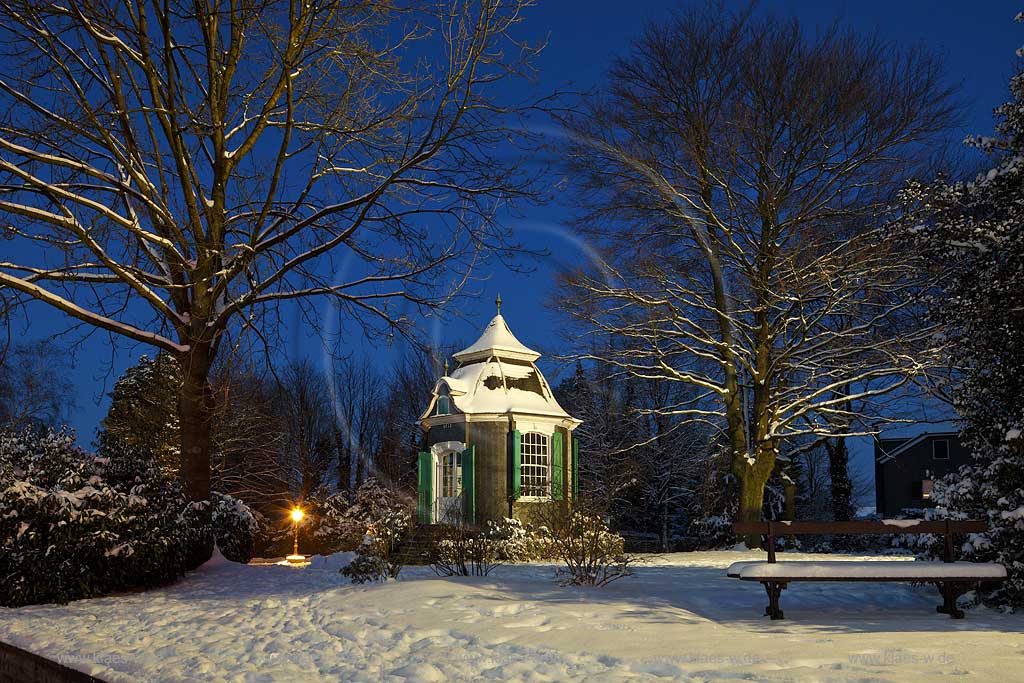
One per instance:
[(734, 569), (951, 578), (890, 570)]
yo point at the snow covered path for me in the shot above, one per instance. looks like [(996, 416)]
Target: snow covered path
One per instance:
[(680, 618)]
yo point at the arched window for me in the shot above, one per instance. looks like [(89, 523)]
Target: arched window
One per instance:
[(443, 405), (535, 465)]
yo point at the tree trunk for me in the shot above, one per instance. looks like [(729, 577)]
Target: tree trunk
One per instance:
[(753, 480), (790, 488), (839, 474), (664, 527), (751, 498), (195, 413)]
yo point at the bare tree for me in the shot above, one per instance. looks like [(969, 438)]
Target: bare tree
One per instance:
[(34, 388), (736, 173), (248, 437), (358, 399), (170, 172), (303, 408)]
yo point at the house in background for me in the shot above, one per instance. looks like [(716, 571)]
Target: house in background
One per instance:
[(906, 469), (497, 442)]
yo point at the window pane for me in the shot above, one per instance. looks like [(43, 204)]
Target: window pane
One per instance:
[(940, 449), (534, 464)]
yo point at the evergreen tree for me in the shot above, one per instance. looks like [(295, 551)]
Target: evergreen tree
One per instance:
[(973, 230), (143, 413)]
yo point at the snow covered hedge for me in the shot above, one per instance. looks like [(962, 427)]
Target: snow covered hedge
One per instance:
[(75, 525)]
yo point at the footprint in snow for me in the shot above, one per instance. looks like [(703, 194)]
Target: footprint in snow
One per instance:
[(538, 623), (421, 672)]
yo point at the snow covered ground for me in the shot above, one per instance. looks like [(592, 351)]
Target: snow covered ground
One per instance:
[(679, 618)]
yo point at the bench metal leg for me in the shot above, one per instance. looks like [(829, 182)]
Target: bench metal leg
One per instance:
[(950, 592), (774, 590)]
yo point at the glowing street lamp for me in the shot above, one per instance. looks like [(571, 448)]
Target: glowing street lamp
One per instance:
[(297, 516)]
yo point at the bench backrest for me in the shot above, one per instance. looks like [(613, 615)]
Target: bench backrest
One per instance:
[(947, 528), (885, 526)]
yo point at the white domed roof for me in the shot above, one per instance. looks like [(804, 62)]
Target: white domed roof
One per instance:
[(498, 340), (497, 375)]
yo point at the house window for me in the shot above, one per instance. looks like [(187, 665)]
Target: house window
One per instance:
[(443, 405), (940, 449), (926, 489), (534, 465)]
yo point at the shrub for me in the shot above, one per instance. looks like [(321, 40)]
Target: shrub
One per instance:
[(517, 542), (235, 527), (339, 522), (593, 555), (75, 525), (378, 557), (462, 551)]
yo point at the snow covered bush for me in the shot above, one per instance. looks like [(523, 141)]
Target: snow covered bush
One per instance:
[(340, 521), (714, 531), (463, 551), (72, 529), (593, 555), (516, 542), (378, 557), (235, 527)]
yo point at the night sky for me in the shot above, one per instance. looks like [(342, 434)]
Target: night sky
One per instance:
[(977, 39)]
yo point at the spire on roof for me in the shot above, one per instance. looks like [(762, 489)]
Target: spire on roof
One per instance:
[(497, 302), (496, 340)]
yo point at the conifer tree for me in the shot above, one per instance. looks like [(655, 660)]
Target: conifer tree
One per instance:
[(973, 232), (143, 413)]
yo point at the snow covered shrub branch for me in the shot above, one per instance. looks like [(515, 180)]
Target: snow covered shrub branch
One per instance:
[(340, 521), (72, 530), (379, 557), (235, 527), (463, 551), (593, 555)]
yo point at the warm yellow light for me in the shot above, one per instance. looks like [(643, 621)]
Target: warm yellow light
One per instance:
[(297, 515)]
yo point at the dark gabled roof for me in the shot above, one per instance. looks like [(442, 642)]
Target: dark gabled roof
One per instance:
[(909, 443)]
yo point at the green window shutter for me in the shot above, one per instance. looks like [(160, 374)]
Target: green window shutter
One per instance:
[(575, 467), (469, 485), (425, 498), (557, 468), (517, 461)]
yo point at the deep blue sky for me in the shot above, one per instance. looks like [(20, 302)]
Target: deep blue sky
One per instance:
[(978, 40)]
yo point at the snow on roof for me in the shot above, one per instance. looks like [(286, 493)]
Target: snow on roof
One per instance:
[(497, 339), (496, 386), (497, 375)]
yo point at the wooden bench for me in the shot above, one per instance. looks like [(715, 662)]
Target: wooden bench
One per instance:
[(952, 578)]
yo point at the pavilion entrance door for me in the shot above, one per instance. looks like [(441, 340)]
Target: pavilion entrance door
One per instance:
[(448, 475)]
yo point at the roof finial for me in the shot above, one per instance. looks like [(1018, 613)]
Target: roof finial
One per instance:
[(445, 367), (497, 302)]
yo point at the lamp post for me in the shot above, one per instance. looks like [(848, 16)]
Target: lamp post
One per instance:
[(297, 516)]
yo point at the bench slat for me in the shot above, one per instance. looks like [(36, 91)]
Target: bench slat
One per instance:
[(889, 526)]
